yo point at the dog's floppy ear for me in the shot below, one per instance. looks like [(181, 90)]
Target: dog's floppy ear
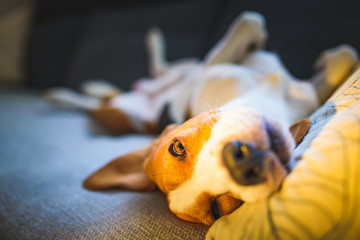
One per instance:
[(300, 129), (127, 171)]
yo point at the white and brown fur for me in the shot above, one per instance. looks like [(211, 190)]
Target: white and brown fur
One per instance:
[(239, 98)]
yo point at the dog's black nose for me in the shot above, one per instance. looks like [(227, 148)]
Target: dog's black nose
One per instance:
[(244, 162)]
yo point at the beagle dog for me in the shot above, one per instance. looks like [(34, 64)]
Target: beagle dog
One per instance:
[(234, 148)]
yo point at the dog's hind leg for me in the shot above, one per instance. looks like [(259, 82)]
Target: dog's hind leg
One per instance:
[(100, 89), (246, 34), (156, 48), (69, 98), (333, 66)]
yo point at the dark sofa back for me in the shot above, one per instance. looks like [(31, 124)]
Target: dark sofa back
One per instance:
[(76, 40)]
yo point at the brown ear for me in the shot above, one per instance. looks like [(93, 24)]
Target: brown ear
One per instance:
[(300, 129), (125, 172)]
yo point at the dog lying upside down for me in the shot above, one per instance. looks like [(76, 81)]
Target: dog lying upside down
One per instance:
[(240, 102)]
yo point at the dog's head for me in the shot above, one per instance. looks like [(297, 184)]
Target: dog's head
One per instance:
[(208, 166)]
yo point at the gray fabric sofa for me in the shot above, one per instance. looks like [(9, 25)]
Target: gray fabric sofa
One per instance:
[(45, 154)]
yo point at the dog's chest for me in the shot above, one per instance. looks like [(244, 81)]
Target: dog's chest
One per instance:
[(265, 99)]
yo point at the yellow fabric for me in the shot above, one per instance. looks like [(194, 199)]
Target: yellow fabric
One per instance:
[(320, 199)]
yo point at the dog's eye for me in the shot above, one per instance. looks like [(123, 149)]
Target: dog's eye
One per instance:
[(177, 149), (215, 210)]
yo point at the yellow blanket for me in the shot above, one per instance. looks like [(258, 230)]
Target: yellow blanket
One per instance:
[(320, 199)]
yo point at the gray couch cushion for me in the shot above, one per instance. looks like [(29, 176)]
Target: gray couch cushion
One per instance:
[(45, 154)]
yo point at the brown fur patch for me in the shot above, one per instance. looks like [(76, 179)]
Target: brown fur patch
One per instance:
[(113, 119), (201, 211), (151, 128), (168, 171)]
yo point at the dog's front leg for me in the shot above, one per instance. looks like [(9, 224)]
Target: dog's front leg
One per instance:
[(246, 34), (155, 44)]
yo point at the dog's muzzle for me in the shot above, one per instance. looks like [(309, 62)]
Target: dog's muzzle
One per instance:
[(245, 163)]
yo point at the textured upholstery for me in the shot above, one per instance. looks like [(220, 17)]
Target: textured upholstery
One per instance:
[(45, 154)]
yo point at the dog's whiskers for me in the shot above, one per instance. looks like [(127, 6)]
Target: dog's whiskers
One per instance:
[(207, 104), (159, 174), (211, 122)]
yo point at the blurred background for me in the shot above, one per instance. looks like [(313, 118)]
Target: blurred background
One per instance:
[(45, 153), (64, 43)]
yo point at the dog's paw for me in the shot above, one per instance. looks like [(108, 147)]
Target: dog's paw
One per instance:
[(255, 22), (337, 63), (156, 47), (155, 38), (59, 95), (100, 89), (245, 35)]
